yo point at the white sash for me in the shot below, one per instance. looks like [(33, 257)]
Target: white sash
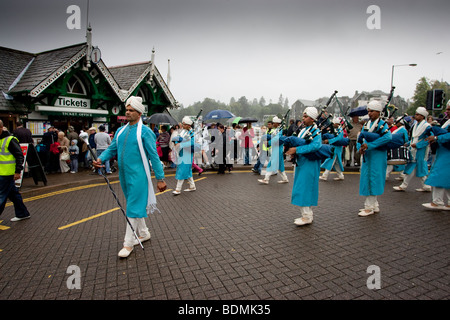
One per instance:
[(151, 198)]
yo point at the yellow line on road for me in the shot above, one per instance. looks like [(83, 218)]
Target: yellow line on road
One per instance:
[(101, 214), (87, 219)]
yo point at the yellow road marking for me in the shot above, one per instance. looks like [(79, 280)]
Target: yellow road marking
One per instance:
[(3, 227), (109, 211), (89, 218), (101, 214)]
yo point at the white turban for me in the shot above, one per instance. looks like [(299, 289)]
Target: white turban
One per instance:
[(311, 112), (337, 120), (276, 120), (422, 111), (187, 120), (375, 105), (136, 104)]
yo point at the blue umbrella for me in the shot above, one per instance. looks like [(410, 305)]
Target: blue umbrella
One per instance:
[(359, 111), (217, 115)]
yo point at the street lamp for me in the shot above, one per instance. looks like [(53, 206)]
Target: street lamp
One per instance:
[(400, 65)]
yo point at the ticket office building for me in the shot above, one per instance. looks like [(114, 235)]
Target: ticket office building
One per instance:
[(63, 88)]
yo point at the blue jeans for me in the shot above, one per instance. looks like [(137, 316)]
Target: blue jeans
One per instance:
[(107, 167), (9, 190)]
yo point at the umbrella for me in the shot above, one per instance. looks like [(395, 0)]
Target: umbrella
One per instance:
[(158, 118), (359, 111), (217, 115), (234, 120), (248, 120)]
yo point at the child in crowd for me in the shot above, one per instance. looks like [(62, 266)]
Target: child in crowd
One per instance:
[(74, 151)]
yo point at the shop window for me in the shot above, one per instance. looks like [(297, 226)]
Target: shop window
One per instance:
[(76, 86)]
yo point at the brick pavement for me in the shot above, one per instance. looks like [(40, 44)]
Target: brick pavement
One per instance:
[(231, 239)]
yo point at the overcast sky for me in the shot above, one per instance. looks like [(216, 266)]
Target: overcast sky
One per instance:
[(302, 49)]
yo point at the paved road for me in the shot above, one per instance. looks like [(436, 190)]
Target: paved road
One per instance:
[(231, 239)]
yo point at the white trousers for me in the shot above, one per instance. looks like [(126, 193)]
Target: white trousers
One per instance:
[(306, 212), (408, 178), (141, 230), (371, 203), (440, 195), (282, 174), (180, 183)]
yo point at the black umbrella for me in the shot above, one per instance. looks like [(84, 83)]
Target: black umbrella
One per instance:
[(161, 118), (247, 120)]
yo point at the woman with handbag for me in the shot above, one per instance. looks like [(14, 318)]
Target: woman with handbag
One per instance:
[(64, 155)]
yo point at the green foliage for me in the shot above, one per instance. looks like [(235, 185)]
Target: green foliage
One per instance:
[(420, 94)]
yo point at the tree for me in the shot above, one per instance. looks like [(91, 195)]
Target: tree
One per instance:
[(262, 102), (420, 95)]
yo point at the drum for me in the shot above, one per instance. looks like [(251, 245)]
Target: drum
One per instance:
[(398, 156)]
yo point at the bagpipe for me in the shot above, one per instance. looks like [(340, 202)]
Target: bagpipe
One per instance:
[(377, 133), (340, 143), (283, 123), (323, 153), (389, 109)]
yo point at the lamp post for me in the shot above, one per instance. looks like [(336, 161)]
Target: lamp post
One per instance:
[(400, 65)]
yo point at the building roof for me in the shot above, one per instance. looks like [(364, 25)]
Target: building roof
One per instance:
[(12, 62), (32, 73), (45, 64), (126, 75)]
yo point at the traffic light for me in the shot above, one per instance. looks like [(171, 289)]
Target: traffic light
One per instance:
[(429, 100), (439, 99)]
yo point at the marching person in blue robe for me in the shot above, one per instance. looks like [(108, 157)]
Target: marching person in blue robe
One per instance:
[(305, 191), (374, 160), (134, 145), (184, 145), (276, 163), (439, 177), (336, 160), (419, 149), (404, 137)]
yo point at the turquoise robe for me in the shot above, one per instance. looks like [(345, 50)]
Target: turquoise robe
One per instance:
[(185, 157), (277, 158), (373, 164), (132, 176), (420, 164), (305, 191), (440, 171), (337, 153)]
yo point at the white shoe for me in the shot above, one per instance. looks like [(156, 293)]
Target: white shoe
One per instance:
[(376, 210), (338, 179), (302, 221), (423, 190), (399, 178), (323, 179), (190, 189), (283, 181), (124, 252), (263, 181), (398, 188), (143, 239), (433, 206), (18, 219), (176, 192), (365, 213)]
